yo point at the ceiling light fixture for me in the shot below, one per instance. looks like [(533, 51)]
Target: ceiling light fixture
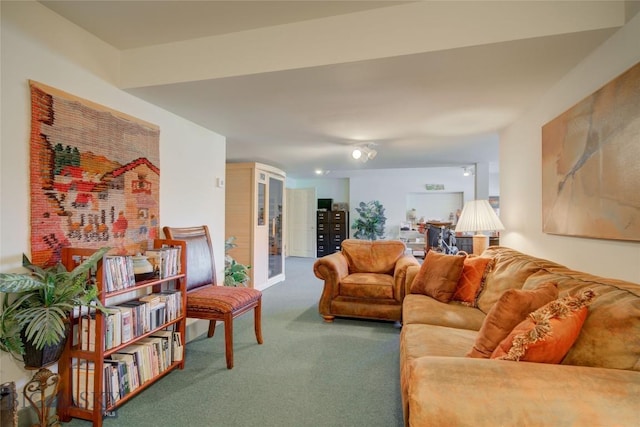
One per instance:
[(468, 171), (364, 152)]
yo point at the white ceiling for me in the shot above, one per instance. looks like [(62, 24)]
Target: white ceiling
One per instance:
[(433, 108)]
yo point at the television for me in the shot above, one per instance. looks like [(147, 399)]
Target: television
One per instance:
[(324, 204)]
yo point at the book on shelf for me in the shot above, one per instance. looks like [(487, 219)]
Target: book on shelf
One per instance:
[(82, 383), (151, 299), (113, 327), (166, 260), (111, 382), (167, 344), (157, 316), (173, 300), (126, 317), (140, 318), (156, 354), (119, 272), (87, 332), (178, 347), (133, 377), (143, 359)]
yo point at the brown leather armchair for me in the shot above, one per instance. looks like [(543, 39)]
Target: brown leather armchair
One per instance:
[(366, 279)]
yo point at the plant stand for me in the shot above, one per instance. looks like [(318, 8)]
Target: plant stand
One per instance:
[(37, 387)]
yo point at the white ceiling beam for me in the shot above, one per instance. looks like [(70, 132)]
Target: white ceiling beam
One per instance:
[(392, 31)]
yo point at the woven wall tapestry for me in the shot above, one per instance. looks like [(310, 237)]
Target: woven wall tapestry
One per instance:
[(591, 164), (94, 177)]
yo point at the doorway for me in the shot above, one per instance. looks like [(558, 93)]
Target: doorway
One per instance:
[(301, 224)]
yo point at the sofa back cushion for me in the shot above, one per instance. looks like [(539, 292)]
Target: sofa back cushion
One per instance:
[(610, 336), (377, 256), (510, 270)]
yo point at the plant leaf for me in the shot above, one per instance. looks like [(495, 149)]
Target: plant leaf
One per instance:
[(16, 283)]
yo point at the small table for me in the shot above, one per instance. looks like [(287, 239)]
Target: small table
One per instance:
[(417, 248)]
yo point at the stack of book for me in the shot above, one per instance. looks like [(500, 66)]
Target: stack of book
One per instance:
[(166, 260), (127, 369), (119, 273), (131, 319)]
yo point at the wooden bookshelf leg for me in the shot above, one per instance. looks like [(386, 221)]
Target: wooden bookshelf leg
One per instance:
[(228, 339)]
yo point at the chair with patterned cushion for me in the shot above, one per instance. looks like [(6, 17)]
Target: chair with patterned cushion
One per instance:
[(206, 300)]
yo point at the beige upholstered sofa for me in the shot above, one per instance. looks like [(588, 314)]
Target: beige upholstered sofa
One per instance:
[(596, 384), (366, 279)]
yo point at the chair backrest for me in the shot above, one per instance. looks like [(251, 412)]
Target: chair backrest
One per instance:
[(377, 256), (201, 269)]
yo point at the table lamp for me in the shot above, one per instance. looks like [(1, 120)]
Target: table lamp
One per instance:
[(478, 216)]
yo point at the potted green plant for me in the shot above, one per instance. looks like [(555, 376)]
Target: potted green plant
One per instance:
[(34, 322), (371, 223), (235, 274)]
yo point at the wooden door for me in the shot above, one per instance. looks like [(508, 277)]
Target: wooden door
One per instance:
[(301, 214)]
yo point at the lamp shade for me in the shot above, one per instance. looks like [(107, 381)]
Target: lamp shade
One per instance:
[(478, 215)]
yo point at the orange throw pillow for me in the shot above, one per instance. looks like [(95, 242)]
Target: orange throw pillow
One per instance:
[(472, 279), (438, 276), (547, 335), (512, 307)]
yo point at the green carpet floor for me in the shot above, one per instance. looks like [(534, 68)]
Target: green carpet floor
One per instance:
[(307, 372)]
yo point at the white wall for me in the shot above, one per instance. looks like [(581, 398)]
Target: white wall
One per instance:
[(391, 187), (521, 160), (39, 45), (326, 188)]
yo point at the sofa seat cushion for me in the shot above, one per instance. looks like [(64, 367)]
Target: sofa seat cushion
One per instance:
[(417, 341), (421, 309), (367, 285), (445, 391), (429, 340)]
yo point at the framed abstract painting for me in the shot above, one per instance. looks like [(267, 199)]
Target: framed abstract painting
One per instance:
[(591, 164)]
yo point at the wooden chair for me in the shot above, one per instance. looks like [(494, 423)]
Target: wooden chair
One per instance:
[(206, 300)]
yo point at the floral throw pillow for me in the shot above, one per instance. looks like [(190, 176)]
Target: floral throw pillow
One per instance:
[(512, 307), (547, 335)]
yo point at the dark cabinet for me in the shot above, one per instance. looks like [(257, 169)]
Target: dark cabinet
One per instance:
[(465, 243), (332, 229)]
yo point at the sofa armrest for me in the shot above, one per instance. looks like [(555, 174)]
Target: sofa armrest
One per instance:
[(400, 274), (332, 269), (446, 391), (412, 271)]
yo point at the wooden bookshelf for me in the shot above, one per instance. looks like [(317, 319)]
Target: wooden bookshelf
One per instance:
[(83, 392)]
